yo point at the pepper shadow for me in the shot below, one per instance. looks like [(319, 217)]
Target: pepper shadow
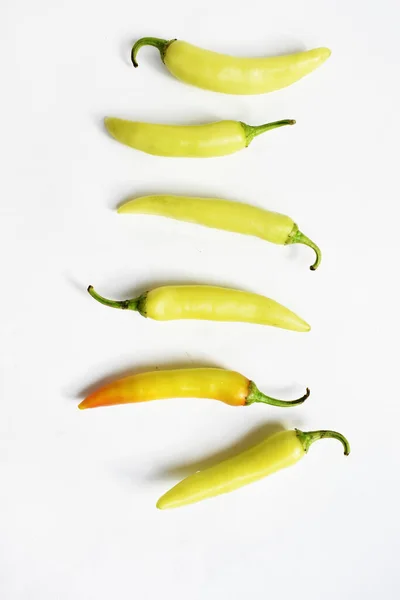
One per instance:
[(76, 284), (283, 47), (125, 48), (84, 391), (294, 252), (251, 438)]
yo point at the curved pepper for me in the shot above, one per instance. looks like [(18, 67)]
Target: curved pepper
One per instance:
[(276, 452), (218, 384), (188, 141), (205, 302), (231, 74), (226, 215)]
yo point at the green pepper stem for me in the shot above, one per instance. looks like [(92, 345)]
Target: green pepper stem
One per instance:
[(124, 304), (309, 437), (251, 131), (297, 237), (158, 43), (256, 396)]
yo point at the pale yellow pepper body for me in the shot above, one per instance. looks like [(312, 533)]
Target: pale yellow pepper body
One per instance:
[(230, 74), (200, 141), (226, 215), (234, 75), (216, 213), (212, 303), (278, 451)]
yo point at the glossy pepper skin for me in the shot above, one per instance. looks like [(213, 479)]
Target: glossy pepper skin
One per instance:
[(210, 303), (229, 387), (224, 214), (187, 141), (229, 74), (277, 452)]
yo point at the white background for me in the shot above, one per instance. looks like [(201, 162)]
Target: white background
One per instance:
[(78, 489)]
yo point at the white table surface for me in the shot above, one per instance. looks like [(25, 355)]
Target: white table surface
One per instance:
[(78, 489)]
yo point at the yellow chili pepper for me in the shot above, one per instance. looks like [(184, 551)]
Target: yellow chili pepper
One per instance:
[(231, 74), (204, 302), (190, 141), (226, 215), (218, 384), (276, 452)]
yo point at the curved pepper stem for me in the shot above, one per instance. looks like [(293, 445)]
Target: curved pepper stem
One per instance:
[(158, 43), (297, 237), (124, 304), (309, 437), (256, 396), (251, 131)]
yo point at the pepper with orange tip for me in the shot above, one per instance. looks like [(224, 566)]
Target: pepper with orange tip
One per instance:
[(229, 387)]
